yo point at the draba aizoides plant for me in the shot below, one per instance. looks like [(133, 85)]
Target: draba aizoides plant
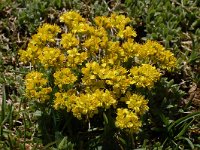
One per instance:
[(87, 67)]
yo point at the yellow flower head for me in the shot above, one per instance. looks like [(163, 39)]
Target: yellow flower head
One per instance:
[(36, 86), (102, 21), (63, 77), (75, 58), (89, 103), (137, 103), (47, 32), (155, 53), (51, 57), (60, 100), (127, 33), (69, 40), (119, 21), (127, 120), (145, 75), (71, 17)]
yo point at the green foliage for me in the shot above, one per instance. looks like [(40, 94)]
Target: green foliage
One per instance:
[(168, 20)]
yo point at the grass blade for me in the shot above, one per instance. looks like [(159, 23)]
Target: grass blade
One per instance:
[(188, 140), (3, 105), (183, 119), (184, 129)]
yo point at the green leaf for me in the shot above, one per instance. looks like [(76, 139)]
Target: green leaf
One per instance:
[(183, 131), (105, 118), (188, 140), (164, 119), (122, 140), (37, 113), (197, 145), (63, 144), (183, 119)]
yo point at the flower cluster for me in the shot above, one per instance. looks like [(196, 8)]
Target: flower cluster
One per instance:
[(87, 104), (126, 119), (129, 118), (36, 86), (64, 76), (145, 75), (51, 57), (154, 53), (38, 49), (91, 66), (137, 103), (84, 104)]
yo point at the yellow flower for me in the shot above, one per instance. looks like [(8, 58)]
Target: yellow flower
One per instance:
[(30, 54), (92, 44), (102, 21), (119, 21), (145, 75), (166, 60), (106, 98), (75, 58), (36, 86), (51, 57), (137, 103), (155, 53), (117, 77), (131, 49), (81, 27), (47, 32), (90, 72), (87, 104), (64, 76), (127, 33), (127, 120), (60, 100), (69, 40), (71, 16), (49, 29)]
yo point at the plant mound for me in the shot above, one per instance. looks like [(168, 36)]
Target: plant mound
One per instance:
[(89, 67)]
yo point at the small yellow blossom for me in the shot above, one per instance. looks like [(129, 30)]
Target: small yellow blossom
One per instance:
[(90, 72), (145, 75), (71, 17), (166, 60), (30, 54), (64, 76), (102, 21), (127, 120), (127, 33), (85, 104), (119, 21), (92, 44), (106, 98), (89, 103), (47, 32), (60, 100), (51, 57), (137, 103), (36, 86), (75, 58), (131, 49), (82, 28), (153, 52), (69, 40)]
